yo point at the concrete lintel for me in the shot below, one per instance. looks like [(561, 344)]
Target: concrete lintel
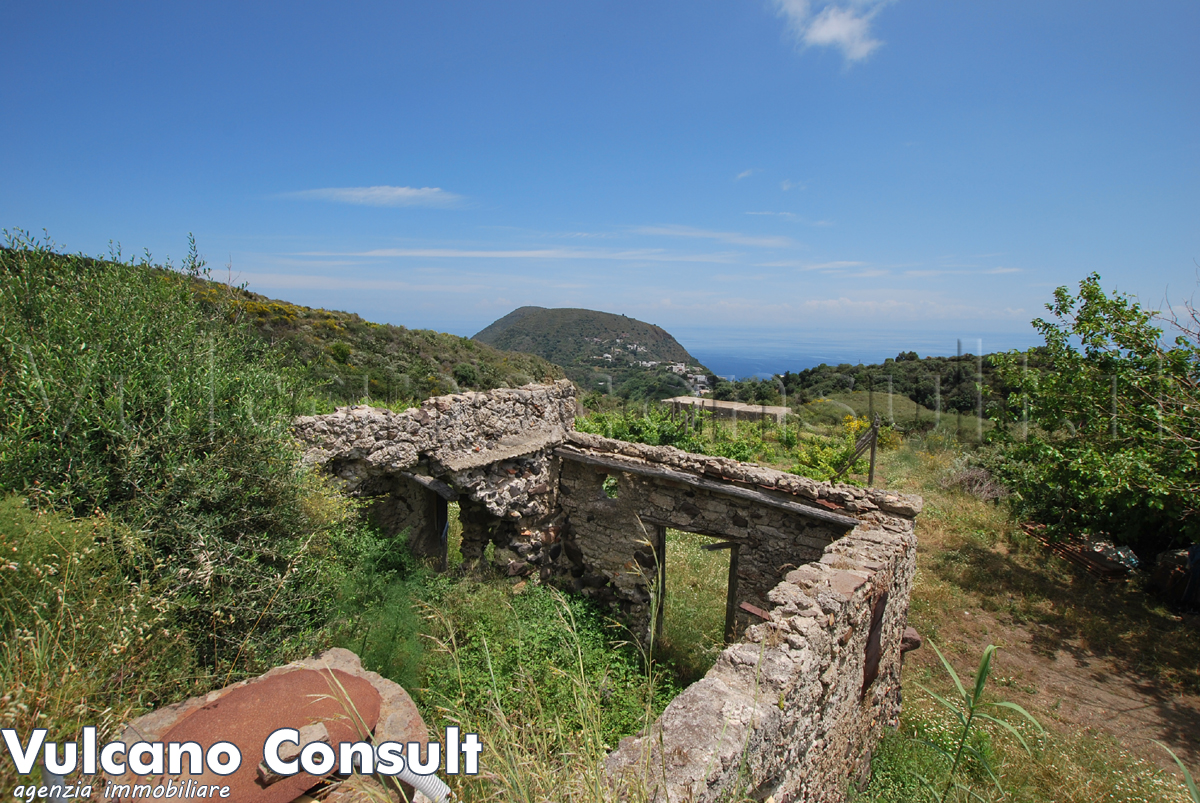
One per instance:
[(657, 472), (506, 449)]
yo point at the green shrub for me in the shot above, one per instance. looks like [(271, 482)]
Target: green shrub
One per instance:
[(653, 426), (466, 375), (377, 602), (1099, 435)]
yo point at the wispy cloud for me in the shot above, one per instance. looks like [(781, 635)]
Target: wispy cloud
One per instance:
[(732, 237), (645, 254), (845, 25), (788, 184), (380, 196), (745, 174), (291, 281), (958, 270), (828, 267), (795, 217)]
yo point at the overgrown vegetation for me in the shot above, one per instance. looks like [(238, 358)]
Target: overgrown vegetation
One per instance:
[(160, 538), (82, 641), (123, 394), (805, 449), (549, 681), (973, 557), (975, 567), (694, 616)]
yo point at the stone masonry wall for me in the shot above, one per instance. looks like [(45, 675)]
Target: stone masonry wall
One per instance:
[(608, 532), (794, 709), (784, 712), (464, 438)]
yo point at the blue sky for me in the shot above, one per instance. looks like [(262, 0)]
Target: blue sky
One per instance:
[(879, 174)]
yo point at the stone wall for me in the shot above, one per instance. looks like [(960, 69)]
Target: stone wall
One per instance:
[(823, 575), (792, 711), (772, 533), (446, 435)]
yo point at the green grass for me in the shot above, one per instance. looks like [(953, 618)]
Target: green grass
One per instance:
[(901, 412), (694, 614), (549, 681), (811, 451), (123, 393), (1072, 768)]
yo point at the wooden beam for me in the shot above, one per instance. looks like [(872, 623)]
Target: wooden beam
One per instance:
[(661, 547), (670, 475), (719, 545), (731, 597)]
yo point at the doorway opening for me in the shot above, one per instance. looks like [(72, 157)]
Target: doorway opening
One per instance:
[(694, 618)]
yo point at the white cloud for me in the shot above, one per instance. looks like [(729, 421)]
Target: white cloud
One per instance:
[(291, 281), (829, 267), (845, 25), (733, 237), (788, 184), (797, 218), (746, 174), (380, 196), (645, 254)]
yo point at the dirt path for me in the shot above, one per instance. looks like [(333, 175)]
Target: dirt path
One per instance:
[(1067, 685)]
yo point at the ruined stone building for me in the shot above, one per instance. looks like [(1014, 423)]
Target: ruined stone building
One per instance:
[(819, 585)]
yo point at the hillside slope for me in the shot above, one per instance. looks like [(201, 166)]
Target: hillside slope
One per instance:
[(598, 349), (350, 358)]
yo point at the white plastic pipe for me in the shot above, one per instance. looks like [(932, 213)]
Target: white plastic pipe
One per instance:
[(429, 785)]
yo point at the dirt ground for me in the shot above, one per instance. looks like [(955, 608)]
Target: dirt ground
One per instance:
[(1065, 685)]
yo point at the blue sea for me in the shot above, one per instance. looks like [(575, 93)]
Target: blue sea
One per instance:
[(743, 353)]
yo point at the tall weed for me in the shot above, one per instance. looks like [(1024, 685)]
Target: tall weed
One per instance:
[(80, 643), (121, 392)]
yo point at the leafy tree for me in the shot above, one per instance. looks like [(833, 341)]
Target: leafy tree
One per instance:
[(1099, 433)]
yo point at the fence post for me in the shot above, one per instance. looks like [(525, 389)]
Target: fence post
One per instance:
[(874, 441)]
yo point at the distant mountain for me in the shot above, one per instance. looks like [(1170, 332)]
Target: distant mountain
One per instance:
[(599, 350)]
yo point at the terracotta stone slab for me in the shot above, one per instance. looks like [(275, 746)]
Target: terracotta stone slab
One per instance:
[(248, 714)]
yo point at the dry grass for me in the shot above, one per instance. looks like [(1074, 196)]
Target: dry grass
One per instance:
[(973, 554), (81, 645), (975, 565)]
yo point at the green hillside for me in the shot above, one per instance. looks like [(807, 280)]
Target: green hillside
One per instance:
[(599, 350), (951, 383), (349, 359)]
